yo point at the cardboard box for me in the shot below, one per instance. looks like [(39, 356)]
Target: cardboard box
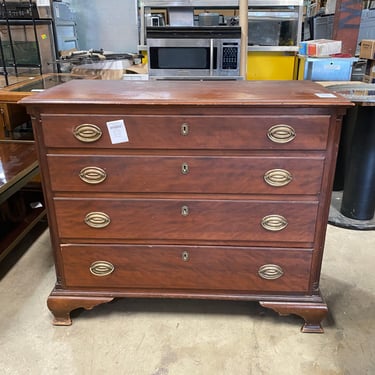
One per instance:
[(106, 69), (369, 76), (367, 50), (320, 47), (370, 68), (368, 79)]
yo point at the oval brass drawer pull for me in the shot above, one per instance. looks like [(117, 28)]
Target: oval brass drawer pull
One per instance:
[(87, 133), (270, 271), (281, 133), (274, 223), (278, 177), (184, 129), (97, 219), (92, 175), (102, 268)]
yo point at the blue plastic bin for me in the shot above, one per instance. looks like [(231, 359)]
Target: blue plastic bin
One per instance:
[(327, 68)]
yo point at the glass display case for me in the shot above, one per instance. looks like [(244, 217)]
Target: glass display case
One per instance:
[(274, 25), (14, 120)]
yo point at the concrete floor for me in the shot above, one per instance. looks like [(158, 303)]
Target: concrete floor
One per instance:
[(175, 337)]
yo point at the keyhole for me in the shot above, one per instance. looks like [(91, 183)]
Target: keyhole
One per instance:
[(184, 210), (184, 129), (185, 256), (184, 168)]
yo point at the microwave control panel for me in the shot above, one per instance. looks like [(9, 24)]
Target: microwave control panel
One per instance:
[(230, 57)]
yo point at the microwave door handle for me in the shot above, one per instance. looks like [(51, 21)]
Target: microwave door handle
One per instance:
[(211, 57)]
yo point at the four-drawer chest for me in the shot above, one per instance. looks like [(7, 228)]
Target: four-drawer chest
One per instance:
[(188, 189)]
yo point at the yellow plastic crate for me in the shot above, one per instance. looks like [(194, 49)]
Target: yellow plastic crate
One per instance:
[(270, 66)]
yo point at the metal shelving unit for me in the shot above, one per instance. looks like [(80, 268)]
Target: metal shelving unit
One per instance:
[(146, 5), (28, 38), (278, 12), (11, 59)]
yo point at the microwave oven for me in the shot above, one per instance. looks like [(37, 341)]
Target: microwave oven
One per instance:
[(194, 52)]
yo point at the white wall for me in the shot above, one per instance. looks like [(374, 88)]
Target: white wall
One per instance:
[(107, 24)]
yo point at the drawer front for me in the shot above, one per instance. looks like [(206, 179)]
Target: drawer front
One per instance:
[(189, 132), (189, 174), (174, 267), (176, 219)]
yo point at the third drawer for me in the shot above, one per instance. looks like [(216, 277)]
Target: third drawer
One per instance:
[(186, 219)]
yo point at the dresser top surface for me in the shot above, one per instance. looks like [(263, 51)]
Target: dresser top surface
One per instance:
[(213, 93)]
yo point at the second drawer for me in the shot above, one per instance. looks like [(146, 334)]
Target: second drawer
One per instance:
[(190, 219), (187, 174)]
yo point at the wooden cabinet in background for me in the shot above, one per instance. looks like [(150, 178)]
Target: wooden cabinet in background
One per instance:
[(21, 200), (11, 117), (216, 190)]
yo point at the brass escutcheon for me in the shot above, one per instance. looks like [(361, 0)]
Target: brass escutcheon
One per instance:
[(97, 219), (281, 133), (184, 168), (270, 271), (274, 223), (92, 175), (184, 129), (185, 256), (87, 133), (278, 177), (184, 210), (102, 268)]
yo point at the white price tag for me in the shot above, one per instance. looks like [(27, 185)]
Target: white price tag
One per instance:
[(325, 95), (42, 3), (117, 131)]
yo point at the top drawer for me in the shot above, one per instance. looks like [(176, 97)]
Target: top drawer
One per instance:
[(187, 132)]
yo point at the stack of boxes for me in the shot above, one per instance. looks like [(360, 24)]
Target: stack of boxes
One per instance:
[(368, 52), (321, 60), (320, 47)]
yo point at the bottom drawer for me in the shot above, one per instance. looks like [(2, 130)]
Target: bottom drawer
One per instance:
[(186, 267)]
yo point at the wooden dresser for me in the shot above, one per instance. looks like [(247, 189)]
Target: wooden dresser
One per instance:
[(192, 189)]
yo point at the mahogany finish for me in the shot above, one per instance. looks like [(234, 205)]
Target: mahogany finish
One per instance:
[(221, 191), (123, 173), (17, 160), (18, 195), (148, 130)]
